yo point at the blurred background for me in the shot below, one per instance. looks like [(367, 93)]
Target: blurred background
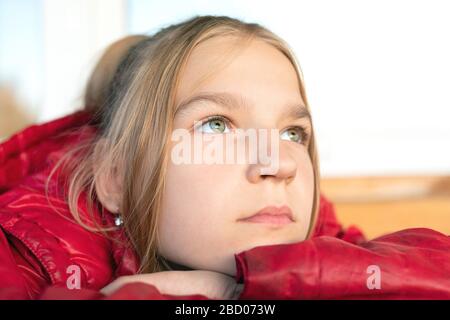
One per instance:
[(376, 73)]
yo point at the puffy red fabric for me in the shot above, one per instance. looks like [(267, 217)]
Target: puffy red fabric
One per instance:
[(38, 246)]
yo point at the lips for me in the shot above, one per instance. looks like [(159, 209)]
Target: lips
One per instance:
[(271, 215)]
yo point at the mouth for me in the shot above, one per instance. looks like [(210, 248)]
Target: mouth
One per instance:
[(271, 215)]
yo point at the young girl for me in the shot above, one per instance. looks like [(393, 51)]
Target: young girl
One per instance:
[(97, 204)]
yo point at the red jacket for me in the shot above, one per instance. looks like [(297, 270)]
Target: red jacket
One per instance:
[(38, 246)]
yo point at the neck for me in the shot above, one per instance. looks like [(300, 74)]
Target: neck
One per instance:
[(174, 266)]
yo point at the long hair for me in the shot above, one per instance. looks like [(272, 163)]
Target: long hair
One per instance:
[(134, 105)]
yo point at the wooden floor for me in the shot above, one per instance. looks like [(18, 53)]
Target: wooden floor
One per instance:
[(380, 205)]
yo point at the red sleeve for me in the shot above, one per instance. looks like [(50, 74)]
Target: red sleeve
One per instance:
[(409, 264)]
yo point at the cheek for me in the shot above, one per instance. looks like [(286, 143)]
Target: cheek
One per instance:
[(194, 209), (193, 187)]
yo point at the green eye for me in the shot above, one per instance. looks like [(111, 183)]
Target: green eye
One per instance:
[(214, 125), (217, 125), (295, 134)]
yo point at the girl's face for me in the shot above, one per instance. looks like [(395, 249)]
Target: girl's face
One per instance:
[(204, 205)]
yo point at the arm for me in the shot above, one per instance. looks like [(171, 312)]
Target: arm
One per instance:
[(163, 285), (129, 291), (173, 285)]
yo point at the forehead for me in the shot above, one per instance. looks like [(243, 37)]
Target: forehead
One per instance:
[(255, 69)]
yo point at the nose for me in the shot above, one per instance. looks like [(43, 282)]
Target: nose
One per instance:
[(282, 165)]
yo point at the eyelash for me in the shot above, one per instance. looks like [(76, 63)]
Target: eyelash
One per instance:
[(303, 131)]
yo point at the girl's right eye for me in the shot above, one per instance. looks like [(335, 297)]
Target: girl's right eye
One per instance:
[(215, 124)]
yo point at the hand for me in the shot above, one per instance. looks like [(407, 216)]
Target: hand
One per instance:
[(213, 285)]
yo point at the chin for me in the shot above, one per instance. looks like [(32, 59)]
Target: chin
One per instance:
[(282, 239)]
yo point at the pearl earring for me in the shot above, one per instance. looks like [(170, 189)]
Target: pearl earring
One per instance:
[(118, 221)]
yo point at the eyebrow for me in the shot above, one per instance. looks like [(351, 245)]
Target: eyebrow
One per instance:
[(233, 102)]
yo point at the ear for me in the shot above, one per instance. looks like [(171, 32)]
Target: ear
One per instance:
[(108, 186)]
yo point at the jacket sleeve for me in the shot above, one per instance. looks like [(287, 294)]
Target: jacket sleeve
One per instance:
[(408, 264)]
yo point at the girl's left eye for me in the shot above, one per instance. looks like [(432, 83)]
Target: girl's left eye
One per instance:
[(214, 124), (295, 134)]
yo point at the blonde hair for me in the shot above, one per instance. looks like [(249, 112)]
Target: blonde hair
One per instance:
[(134, 104)]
